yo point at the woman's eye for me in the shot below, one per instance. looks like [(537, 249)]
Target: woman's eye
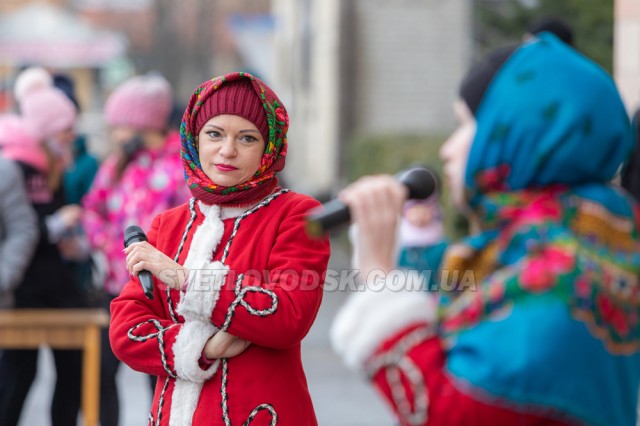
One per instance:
[(249, 139), (213, 134)]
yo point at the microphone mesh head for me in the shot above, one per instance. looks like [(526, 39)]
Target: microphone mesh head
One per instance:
[(420, 181), (133, 234)]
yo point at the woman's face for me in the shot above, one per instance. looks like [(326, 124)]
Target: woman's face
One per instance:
[(60, 145), (65, 137), (122, 134), (455, 152), (418, 215), (230, 149)]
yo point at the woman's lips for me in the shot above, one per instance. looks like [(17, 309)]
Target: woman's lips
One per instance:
[(225, 168)]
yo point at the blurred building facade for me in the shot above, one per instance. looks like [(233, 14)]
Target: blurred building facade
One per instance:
[(54, 37), (342, 67), (626, 52), (186, 41), (350, 67)]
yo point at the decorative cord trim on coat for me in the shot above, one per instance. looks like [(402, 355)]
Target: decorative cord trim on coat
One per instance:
[(159, 335), (253, 414), (152, 422), (192, 210), (240, 294), (236, 224), (197, 302), (396, 363)]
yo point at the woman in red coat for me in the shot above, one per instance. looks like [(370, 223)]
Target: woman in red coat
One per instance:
[(238, 283)]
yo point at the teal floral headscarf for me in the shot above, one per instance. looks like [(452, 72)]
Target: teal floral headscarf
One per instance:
[(552, 117), (552, 132), (557, 260)]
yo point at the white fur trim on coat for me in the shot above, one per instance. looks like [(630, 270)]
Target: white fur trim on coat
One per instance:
[(187, 351), (203, 291), (196, 306), (206, 238), (370, 317), (188, 348), (205, 277), (184, 401)]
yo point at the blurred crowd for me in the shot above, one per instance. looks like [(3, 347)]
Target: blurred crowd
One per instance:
[(63, 213)]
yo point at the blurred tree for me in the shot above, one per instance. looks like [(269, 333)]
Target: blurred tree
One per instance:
[(182, 42), (192, 40), (505, 21)]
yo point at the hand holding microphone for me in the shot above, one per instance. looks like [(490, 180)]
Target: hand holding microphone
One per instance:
[(134, 234), (419, 182), (144, 260)]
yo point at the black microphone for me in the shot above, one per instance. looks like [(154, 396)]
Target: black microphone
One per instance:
[(135, 234), (420, 182), (132, 146)]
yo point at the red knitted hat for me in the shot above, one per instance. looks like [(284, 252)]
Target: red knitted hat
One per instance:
[(236, 97)]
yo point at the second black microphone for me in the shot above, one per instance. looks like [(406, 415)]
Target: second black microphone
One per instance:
[(420, 182)]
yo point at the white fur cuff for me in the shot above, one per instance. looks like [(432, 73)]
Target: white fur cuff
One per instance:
[(372, 316), (188, 348)]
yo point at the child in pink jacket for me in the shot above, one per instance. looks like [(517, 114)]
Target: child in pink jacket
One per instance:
[(142, 178)]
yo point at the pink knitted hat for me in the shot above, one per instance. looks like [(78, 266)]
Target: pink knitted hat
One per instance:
[(17, 144), (29, 80), (143, 103), (45, 109)]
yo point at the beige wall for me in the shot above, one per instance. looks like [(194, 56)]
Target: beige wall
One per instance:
[(627, 51), (307, 45), (367, 67), (411, 58)]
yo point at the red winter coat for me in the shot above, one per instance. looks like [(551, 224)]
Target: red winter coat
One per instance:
[(269, 277)]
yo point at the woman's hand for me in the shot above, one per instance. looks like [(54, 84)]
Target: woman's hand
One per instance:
[(375, 203), (70, 215), (144, 256), (224, 345), (75, 248)]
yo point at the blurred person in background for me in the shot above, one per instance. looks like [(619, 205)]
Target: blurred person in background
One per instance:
[(78, 178), (18, 225), (631, 171), (238, 282), (79, 175), (545, 328), (556, 26), (141, 178), (422, 239), (45, 130)]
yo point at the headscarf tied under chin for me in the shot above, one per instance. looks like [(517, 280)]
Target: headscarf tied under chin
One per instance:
[(273, 160)]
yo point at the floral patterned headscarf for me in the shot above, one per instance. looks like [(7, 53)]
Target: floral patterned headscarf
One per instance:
[(273, 160), (542, 310), (552, 132)]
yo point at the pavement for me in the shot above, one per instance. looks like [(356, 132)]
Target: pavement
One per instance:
[(341, 397)]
